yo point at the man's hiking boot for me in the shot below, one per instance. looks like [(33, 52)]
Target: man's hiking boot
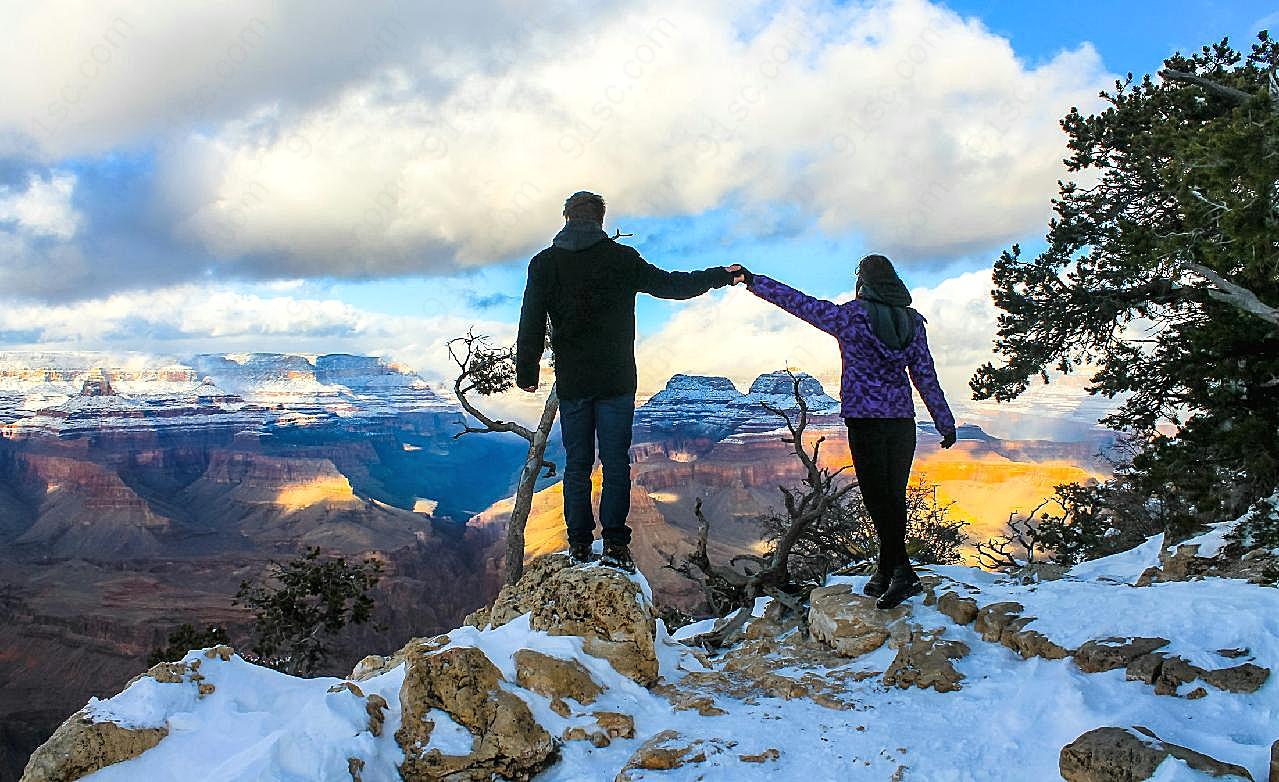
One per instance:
[(878, 583), (618, 556), (903, 585), (581, 555)]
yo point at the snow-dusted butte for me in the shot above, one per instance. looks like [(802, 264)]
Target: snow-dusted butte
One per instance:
[(570, 676), (76, 393)]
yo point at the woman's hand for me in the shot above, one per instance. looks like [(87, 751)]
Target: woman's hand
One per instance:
[(740, 273)]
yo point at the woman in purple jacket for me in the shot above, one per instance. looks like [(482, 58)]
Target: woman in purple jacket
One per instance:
[(880, 339)]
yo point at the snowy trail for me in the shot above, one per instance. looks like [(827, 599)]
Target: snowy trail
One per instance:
[(1008, 722)]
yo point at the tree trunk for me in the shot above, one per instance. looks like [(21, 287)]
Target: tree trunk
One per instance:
[(524, 490)]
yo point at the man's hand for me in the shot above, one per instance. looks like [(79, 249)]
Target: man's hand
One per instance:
[(739, 272), (529, 389), (948, 439)]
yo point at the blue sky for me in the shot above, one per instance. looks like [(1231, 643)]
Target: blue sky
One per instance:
[(373, 177)]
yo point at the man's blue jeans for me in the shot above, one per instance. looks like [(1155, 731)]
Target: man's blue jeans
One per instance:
[(607, 420)]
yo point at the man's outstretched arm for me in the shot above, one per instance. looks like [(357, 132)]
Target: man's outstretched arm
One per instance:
[(677, 285), (531, 342)]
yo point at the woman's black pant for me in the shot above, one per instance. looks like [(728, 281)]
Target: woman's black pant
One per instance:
[(883, 449)]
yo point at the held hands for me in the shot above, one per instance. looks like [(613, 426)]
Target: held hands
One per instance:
[(740, 273), (948, 439)]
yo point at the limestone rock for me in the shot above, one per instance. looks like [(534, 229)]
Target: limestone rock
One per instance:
[(669, 750), (925, 662), (1110, 653), (961, 610), (1129, 755), (1174, 672), (992, 619), (1146, 668), (850, 623), (462, 682), (1240, 678), (616, 724), (81, 746), (555, 678), (600, 604), (772, 753), (1031, 643)]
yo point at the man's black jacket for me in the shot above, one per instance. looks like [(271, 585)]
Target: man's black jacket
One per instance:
[(589, 295)]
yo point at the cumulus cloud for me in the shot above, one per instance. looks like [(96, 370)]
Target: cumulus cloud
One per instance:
[(43, 208), (301, 140)]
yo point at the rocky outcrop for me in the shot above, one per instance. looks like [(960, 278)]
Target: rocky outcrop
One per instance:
[(1131, 755), (464, 683), (961, 610), (1274, 762), (82, 746), (1246, 548), (555, 678), (1108, 654), (850, 623), (670, 750), (604, 607), (924, 662)]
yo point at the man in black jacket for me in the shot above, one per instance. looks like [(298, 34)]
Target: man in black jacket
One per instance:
[(586, 282)]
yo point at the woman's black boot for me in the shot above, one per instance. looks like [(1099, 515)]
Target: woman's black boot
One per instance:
[(904, 584), (878, 583)]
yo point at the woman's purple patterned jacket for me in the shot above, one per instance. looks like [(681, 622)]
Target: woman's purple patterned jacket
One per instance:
[(874, 381)]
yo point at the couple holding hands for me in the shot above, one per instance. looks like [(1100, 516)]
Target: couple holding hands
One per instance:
[(585, 284)]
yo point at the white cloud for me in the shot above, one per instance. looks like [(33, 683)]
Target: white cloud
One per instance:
[(334, 144), (43, 208)]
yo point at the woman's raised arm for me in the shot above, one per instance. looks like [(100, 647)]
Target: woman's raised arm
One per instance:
[(825, 315)]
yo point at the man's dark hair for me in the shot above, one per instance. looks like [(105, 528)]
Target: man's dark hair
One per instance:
[(584, 205)]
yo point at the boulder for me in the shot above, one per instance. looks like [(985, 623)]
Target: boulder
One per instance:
[(1240, 678), (464, 683), (669, 750), (1108, 654), (992, 619), (555, 678), (1129, 755), (81, 746), (1031, 643), (1145, 668), (851, 624), (961, 610), (924, 662), (602, 605), (1174, 672)]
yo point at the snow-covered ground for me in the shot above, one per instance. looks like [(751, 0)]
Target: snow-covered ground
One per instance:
[(1008, 722)]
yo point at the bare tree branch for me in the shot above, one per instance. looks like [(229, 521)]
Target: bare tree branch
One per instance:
[(1235, 295), (1238, 97)]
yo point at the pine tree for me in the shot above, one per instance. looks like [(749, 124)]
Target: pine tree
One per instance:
[(301, 605), (1161, 276)]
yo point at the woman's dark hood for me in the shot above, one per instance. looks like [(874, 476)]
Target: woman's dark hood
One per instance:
[(887, 302)]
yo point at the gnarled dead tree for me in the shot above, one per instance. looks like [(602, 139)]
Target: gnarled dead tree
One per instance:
[(1016, 546), (486, 370), (747, 577)]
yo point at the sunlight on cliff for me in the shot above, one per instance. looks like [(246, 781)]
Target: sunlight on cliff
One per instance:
[(330, 490), (986, 488)]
